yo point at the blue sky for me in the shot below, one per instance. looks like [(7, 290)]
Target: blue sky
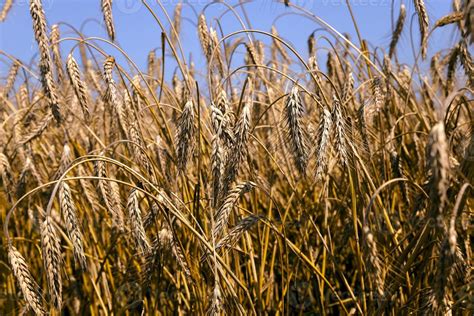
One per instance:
[(138, 33)]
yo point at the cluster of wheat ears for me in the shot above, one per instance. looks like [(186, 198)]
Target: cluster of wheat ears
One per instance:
[(261, 185)]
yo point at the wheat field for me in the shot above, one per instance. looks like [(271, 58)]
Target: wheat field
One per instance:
[(272, 183)]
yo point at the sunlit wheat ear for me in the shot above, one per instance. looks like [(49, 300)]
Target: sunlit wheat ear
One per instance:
[(449, 19), (222, 214), (378, 94), (293, 115), (28, 286), (136, 222), (57, 59), (79, 86), (12, 73), (438, 160), (398, 30), (51, 250), (72, 223), (374, 265), (216, 49), (185, 135), (340, 132), (39, 27), (111, 97), (323, 147), (348, 87), (6, 8), (423, 22), (204, 36), (105, 191), (238, 151), (108, 19), (176, 23)]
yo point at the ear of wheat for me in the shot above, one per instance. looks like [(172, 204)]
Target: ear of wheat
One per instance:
[(28, 286), (72, 224), (79, 86), (108, 19), (52, 260), (398, 29), (423, 22), (136, 222), (39, 26), (293, 115), (185, 135), (5, 9)]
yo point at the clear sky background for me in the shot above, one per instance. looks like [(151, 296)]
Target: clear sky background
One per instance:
[(138, 33)]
